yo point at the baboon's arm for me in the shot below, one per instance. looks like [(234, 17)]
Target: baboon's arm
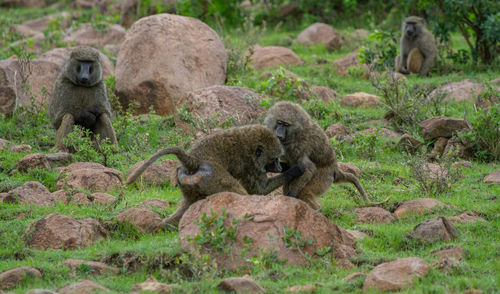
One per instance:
[(105, 129), (295, 186), (277, 181)]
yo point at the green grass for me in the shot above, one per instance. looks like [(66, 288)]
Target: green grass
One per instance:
[(160, 254)]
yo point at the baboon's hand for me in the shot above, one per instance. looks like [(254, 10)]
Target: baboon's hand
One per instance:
[(293, 194), (295, 171), (88, 117)]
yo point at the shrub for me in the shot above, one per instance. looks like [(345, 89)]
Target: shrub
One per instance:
[(381, 51)]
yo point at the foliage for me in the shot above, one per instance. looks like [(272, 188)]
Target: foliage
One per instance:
[(381, 50), (477, 20), (214, 234), (365, 144), (80, 140), (284, 85), (216, 13)]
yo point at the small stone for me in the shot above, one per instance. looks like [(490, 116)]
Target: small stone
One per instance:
[(374, 215), (418, 206), (98, 268), (467, 217), (151, 285), (30, 193), (357, 235), (354, 276), (308, 288), (434, 229), (337, 130), (81, 199), (59, 159), (493, 177), (240, 285), (102, 198), (14, 277), (21, 149), (409, 144), (40, 291), (359, 99), (350, 168), (144, 220), (154, 202), (455, 252), (33, 161), (82, 287)]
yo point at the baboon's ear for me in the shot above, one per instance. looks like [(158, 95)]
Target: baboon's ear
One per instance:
[(259, 150)]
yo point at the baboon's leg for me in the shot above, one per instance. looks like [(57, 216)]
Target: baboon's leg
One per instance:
[(415, 61), (430, 60), (318, 185), (171, 223), (294, 187), (65, 128), (397, 64), (105, 129)]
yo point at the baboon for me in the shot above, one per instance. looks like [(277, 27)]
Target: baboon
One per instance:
[(232, 160), (305, 142), (418, 52), (79, 97)]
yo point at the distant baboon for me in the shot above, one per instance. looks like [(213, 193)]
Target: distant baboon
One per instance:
[(232, 160), (79, 97), (418, 48), (305, 142)]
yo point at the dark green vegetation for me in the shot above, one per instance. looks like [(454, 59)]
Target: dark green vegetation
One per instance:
[(386, 170)]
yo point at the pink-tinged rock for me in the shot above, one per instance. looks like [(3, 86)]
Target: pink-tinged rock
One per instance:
[(144, 220), (82, 287), (16, 276), (98, 268), (30, 193), (316, 33), (374, 215), (151, 285), (418, 206), (360, 99), (395, 275), (493, 177), (272, 56), (240, 285), (89, 175)]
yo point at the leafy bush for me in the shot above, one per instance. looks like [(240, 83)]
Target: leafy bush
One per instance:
[(216, 13), (380, 53), (285, 86)]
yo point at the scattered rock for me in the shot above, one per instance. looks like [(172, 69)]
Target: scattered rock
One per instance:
[(467, 217), (455, 252), (163, 57), (5, 144), (434, 229), (418, 206), (98, 268), (343, 64), (240, 285), (56, 231), (493, 177), (308, 288), (374, 215), (14, 277), (144, 220), (382, 132), (37, 26), (33, 161), (446, 264), (61, 195), (59, 159), (82, 287), (88, 35), (325, 93), (151, 285), (335, 43), (262, 219), (21, 148), (89, 175), (102, 198), (316, 33), (337, 130), (359, 99), (30, 193), (395, 275), (459, 91), (354, 276), (81, 199), (155, 202), (357, 235), (266, 57), (442, 126), (215, 105), (438, 148), (350, 168), (409, 144), (60, 55), (360, 34)]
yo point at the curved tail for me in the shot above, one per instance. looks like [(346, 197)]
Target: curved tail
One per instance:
[(189, 162), (341, 176)]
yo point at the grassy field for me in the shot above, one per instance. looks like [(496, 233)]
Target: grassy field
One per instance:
[(160, 254)]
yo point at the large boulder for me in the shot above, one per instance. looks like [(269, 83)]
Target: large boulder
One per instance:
[(16, 276), (88, 35), (89, 175), (459, 91), (271, 56), (165, 56), (56, 231), (30, 193), (316, 33), (418, 206), (442, 126), (220, 104), (396, 275), (265, 220)]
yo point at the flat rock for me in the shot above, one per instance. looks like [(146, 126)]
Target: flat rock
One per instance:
[(56, 231), (326, 94), (308, 288), (30, 193), (98, 268), (418, 206), (459, 91), (82, 287), (240, 285), (263, 218), (33, 161), (442, 126), (337, 130), (151, 285), (89, 175), (359, 99), (88, 35), (434, 229), (144, 220), (493, 177), (316, 33), (165, 56), (395, 275), (14, 277), (154, 202), (455, 252), (272, 56), (374, 215), (466, 217)]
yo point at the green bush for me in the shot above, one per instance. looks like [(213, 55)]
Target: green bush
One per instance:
[(381, 50)]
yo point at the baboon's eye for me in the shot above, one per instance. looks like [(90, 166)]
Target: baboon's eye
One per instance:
[(91, 68), (258, 152), (78, 68)]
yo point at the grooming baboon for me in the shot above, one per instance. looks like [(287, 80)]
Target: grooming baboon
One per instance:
[(418, 52), (305, 142), (79, 97), (232, 160)]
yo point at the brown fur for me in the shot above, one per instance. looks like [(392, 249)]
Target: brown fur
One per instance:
[(305, 142), (232, 160), (425, 57), (80, 102)]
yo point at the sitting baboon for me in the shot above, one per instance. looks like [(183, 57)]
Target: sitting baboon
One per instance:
[(232, 160), (418, 52), (79, 97), (305, 142)]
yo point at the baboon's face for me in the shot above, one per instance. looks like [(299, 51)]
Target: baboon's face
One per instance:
[(266, 157), (86, 72), (411, 29)]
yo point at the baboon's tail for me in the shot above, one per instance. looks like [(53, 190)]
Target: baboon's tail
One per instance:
[(189, 162), (341, 176)]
